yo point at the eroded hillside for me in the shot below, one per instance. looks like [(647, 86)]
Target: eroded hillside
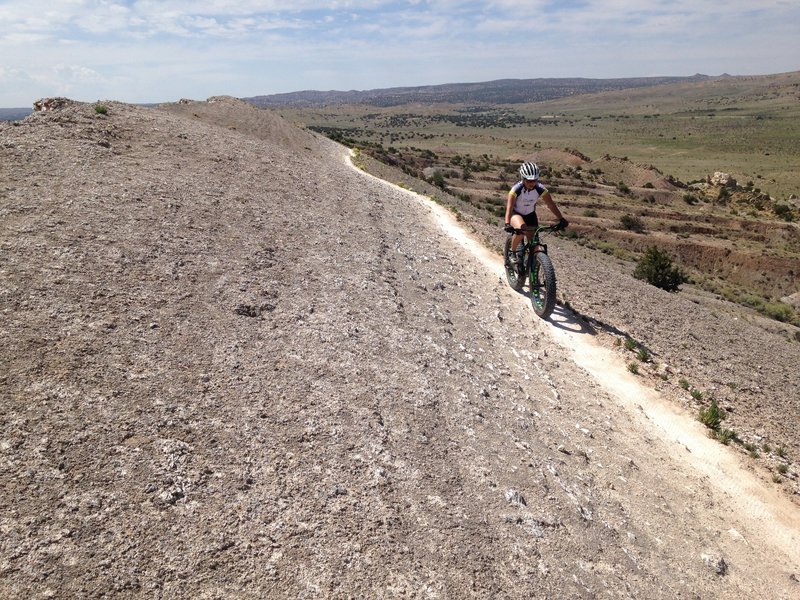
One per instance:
[(635, 168)]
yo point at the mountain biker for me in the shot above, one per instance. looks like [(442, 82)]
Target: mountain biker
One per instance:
[(521, 206)]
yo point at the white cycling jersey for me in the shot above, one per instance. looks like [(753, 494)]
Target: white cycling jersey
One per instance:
[(526, 199)]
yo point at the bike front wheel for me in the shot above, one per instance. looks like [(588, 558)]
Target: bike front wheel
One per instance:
[(514, 276), (543, 285)]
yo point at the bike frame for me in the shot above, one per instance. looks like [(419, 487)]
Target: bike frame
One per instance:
[(532, 246)]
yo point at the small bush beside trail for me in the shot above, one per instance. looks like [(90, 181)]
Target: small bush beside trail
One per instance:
[(657, 269), (711, 416)]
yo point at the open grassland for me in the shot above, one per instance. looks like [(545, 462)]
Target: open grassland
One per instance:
[(749, 127), (630, 169)]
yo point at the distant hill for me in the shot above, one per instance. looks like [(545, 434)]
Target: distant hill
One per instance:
[(501, 91), (14, 114)]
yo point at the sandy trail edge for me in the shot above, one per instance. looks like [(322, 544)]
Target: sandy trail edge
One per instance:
[(767, 512)]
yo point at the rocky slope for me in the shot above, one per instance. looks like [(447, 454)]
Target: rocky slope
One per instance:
[(232, 366)]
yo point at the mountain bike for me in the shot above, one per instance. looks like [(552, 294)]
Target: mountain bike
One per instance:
[(535, 266)]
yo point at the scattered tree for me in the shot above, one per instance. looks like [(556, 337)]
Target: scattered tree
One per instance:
[(784, 212), (657, 269), (438, 180), (632, 223)]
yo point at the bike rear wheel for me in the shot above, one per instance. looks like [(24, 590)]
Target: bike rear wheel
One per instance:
[(514, 272), (543, 285)]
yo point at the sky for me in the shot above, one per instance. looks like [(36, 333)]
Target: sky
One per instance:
[(162, 51)]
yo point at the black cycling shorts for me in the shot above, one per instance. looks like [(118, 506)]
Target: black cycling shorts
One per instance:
[(530, 219)]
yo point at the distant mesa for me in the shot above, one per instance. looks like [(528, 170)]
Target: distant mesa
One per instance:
[(500, 91)]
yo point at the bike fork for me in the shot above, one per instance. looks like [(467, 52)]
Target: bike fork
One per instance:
[(533, 271)]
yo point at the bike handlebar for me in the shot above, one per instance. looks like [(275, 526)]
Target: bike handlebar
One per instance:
[(536, 230)]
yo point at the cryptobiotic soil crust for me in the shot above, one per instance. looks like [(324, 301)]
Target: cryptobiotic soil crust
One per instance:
[(235, 367)]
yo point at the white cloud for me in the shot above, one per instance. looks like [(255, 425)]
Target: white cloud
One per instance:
[(104, 18), (248, 47)]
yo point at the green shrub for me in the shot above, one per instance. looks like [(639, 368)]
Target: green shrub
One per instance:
[(438, 180), (784, 212), (752, 450), (656, 268), (778, 311), (590, 212), (570, 234), (724, 436), (632, 223), (101, 110), (711, 416)]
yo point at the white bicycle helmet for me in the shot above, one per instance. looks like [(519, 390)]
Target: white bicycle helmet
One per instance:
[(529, 171)]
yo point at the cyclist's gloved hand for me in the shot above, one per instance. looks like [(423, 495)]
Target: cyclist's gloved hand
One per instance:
[(561, 225), (509, 228)]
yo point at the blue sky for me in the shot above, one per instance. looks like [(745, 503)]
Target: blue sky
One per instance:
[(158, 51)]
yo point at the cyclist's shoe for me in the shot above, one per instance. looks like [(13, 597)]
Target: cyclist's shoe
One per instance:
[(513, 258)]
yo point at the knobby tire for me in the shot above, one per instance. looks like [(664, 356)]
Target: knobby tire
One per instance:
[(543, 285), (513, 276)]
